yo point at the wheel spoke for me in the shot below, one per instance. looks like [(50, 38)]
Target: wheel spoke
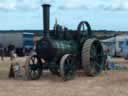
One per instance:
[(83, 27), (97, 65), (67, 61), (33, 59), (93, 51), (33, 70), (92, 57), (67, 70)]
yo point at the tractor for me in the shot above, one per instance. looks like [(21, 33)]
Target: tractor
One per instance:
[(64, 52)]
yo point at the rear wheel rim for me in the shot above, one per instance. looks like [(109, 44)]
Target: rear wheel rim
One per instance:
[(92, 57)]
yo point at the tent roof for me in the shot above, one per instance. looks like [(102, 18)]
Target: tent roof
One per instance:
[(117, 38)]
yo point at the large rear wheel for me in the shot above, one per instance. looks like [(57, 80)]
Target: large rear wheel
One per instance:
[(92, 57)]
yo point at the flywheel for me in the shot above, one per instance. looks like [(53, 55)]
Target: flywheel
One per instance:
[(92, 57)]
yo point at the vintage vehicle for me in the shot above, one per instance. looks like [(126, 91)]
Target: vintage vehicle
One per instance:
[(64, 53)]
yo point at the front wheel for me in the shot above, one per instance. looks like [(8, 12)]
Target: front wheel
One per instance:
[(67, 67), (33, 67)]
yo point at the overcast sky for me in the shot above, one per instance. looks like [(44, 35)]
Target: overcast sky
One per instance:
[(27, 14)]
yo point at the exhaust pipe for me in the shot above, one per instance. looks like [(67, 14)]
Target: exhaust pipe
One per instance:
[(46, 19)]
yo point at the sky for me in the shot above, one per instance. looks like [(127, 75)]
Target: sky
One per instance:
[(101, 14)]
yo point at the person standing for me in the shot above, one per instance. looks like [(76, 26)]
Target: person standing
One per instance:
[(109, 63), (1, 52), (11, 50)]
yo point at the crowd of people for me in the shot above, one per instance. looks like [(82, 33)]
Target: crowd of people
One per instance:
[(10, 50)]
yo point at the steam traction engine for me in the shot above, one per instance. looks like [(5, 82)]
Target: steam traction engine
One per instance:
[(63, 53)]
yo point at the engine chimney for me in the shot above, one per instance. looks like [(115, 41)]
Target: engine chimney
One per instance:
[(46, 19)]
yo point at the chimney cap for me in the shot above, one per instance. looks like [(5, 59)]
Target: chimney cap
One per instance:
[(46, 5)]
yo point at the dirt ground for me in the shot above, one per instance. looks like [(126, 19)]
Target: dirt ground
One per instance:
[(111, 83)]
